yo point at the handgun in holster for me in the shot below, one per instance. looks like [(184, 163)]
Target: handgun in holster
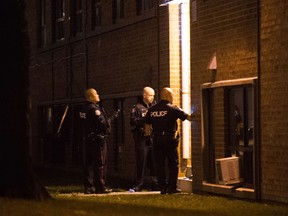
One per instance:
[(176, 139)]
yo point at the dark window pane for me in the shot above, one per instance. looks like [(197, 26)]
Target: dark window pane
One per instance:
[(96, 13)]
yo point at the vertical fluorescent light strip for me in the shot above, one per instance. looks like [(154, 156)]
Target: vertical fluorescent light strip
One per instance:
[(185, 50), (185, 56)]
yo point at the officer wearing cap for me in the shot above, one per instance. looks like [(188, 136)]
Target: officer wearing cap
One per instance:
[(95, 129), (143, 143), (163, 118)]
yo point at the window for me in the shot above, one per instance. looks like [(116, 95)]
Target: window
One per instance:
[(96, 13), (228, 127), (59, 18), (117, 10), (43, 33), (241, 128), (77, 16), (144, 5)]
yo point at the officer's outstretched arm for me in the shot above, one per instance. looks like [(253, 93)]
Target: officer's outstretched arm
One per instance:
[(195, 116)]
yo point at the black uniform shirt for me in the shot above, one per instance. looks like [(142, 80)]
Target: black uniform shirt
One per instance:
[(94, 119), (163, 117), (137, 115)]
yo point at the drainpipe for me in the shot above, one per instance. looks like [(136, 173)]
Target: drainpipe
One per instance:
[(257, 164), (84, 22), (185, 76), (158, 55)]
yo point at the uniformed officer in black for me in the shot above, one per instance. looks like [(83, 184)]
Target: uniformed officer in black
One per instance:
[(163, 118), (143, 143), (95, 128)]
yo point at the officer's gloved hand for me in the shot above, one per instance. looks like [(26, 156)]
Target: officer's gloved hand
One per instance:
[(115, 114)]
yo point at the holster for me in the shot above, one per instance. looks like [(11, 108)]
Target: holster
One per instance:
[(96, 138), (176, 140), (149, 141)]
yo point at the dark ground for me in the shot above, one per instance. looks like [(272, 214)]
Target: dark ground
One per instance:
[(57, 177)]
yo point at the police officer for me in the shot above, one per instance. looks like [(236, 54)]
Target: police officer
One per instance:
[(95, 128), (143, 143), (163, 118)]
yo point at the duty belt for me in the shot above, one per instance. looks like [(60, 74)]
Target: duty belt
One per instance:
[(139, 129), (98, 136), (163, 133)]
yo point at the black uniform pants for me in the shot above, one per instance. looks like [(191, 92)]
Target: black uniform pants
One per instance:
[(94, 161), (165, 150), (144, 158)]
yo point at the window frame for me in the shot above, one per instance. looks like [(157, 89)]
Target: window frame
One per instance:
[(117, 10), (59, 16), (77, 17), (43, 24), (145, 5), (96, 14), (208, 148)]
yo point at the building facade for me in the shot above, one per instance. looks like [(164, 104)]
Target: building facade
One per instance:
[(224, 59), (108, 45), (238, 82)]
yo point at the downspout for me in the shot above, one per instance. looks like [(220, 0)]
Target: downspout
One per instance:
[(185, 76), (258, 107), (85, 46), (158, 55)]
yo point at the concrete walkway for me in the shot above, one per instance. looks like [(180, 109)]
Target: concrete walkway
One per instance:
[(117, 193), (110, 194)]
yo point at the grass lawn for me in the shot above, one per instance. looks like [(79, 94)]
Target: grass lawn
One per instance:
[(132, 204)]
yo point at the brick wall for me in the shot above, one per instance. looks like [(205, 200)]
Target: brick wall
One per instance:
[(227, 29), (219, 123), (118, 59), (273, 112)]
